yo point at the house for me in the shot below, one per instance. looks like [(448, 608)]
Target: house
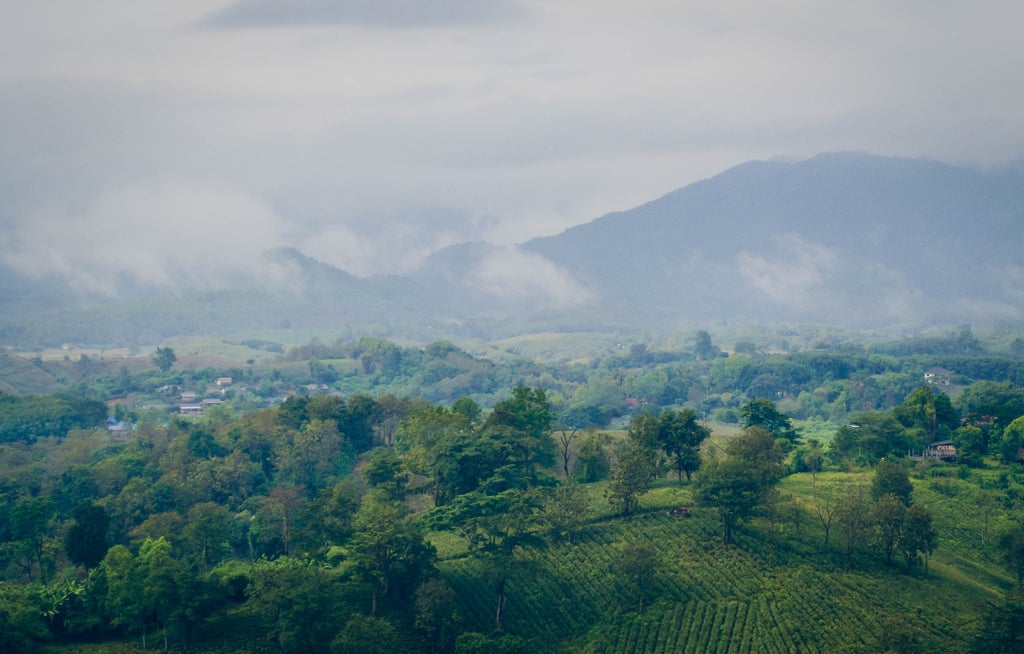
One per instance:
[(188, 397), (941, 450), (938, 376), (211, 402), (223, 381), (193, 410)]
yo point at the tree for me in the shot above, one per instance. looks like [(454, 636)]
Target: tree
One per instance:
[(681, 436), (124, 601), (763, 413), (30, 519), (637, 563), (929, 412), (388, 551), (1012, 441), (852, 516), (632, 476), (969, 441), (1011, 550), (728, 486), (869, 437), (206, 534), (164, 358), (435, 613), (297, 604), (592, 462), (86, 540), (741, 481), (364, 634), (825, 503), (21, 619), (497, 528), (892, 479), (888, 515), (704, 348), (566, 436), (528, 412), (567, 508), (918, 536), (1002, 630)]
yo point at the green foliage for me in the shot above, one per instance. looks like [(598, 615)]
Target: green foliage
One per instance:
[(364, 634), (297, 603), (918, 537), (869, 437), (680, 436), (763, 413), (741, 481), (33, 416), (21, 619), (1002, 629), (218, 527), (637, 563), (891, 478), (164, 358), (1011, 549), (888, 515), (86, 540), (632, 475), (387, 549)]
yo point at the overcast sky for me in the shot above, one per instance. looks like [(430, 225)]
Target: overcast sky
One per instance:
[(187, 137)]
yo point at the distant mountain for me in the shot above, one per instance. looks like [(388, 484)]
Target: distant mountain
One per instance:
[(849, 240), (845, 239)]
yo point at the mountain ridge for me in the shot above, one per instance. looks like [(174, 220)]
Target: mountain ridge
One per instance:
[(847, 239)]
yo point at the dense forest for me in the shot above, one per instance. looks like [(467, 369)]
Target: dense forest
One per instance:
[(363, 496)]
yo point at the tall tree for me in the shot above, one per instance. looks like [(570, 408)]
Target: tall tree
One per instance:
[(164, 358), (681, 436), (853, 521), (741, 481), (30, 520), (1011, 550), (436, 617), (388, 550), (918, 539), (567, 508), (632, 476), (86, 540), (888, 515), (498, 527), (764, 414), (637, 563), (891, 478)]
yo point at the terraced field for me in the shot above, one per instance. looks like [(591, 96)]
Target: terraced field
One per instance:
[(790, 596)]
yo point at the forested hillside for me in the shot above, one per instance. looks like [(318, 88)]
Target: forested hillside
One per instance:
[(652, 500)]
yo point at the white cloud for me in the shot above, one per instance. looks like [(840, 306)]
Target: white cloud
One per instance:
[(166, 235), (511, 273), (802, 268)]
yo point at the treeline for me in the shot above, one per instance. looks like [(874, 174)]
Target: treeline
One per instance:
[(313, 525), (30, 417), (830, 382)]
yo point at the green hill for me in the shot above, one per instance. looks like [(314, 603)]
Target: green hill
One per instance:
[(19, 376), (778, 590)]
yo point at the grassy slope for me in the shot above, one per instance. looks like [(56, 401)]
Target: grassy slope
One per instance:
[(19, 375), (786, 594)]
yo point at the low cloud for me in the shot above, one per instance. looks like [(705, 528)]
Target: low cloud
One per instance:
[(798, 268), (511, 273), (164, 235)]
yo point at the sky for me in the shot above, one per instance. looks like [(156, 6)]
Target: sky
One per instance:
[(182, 140)]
